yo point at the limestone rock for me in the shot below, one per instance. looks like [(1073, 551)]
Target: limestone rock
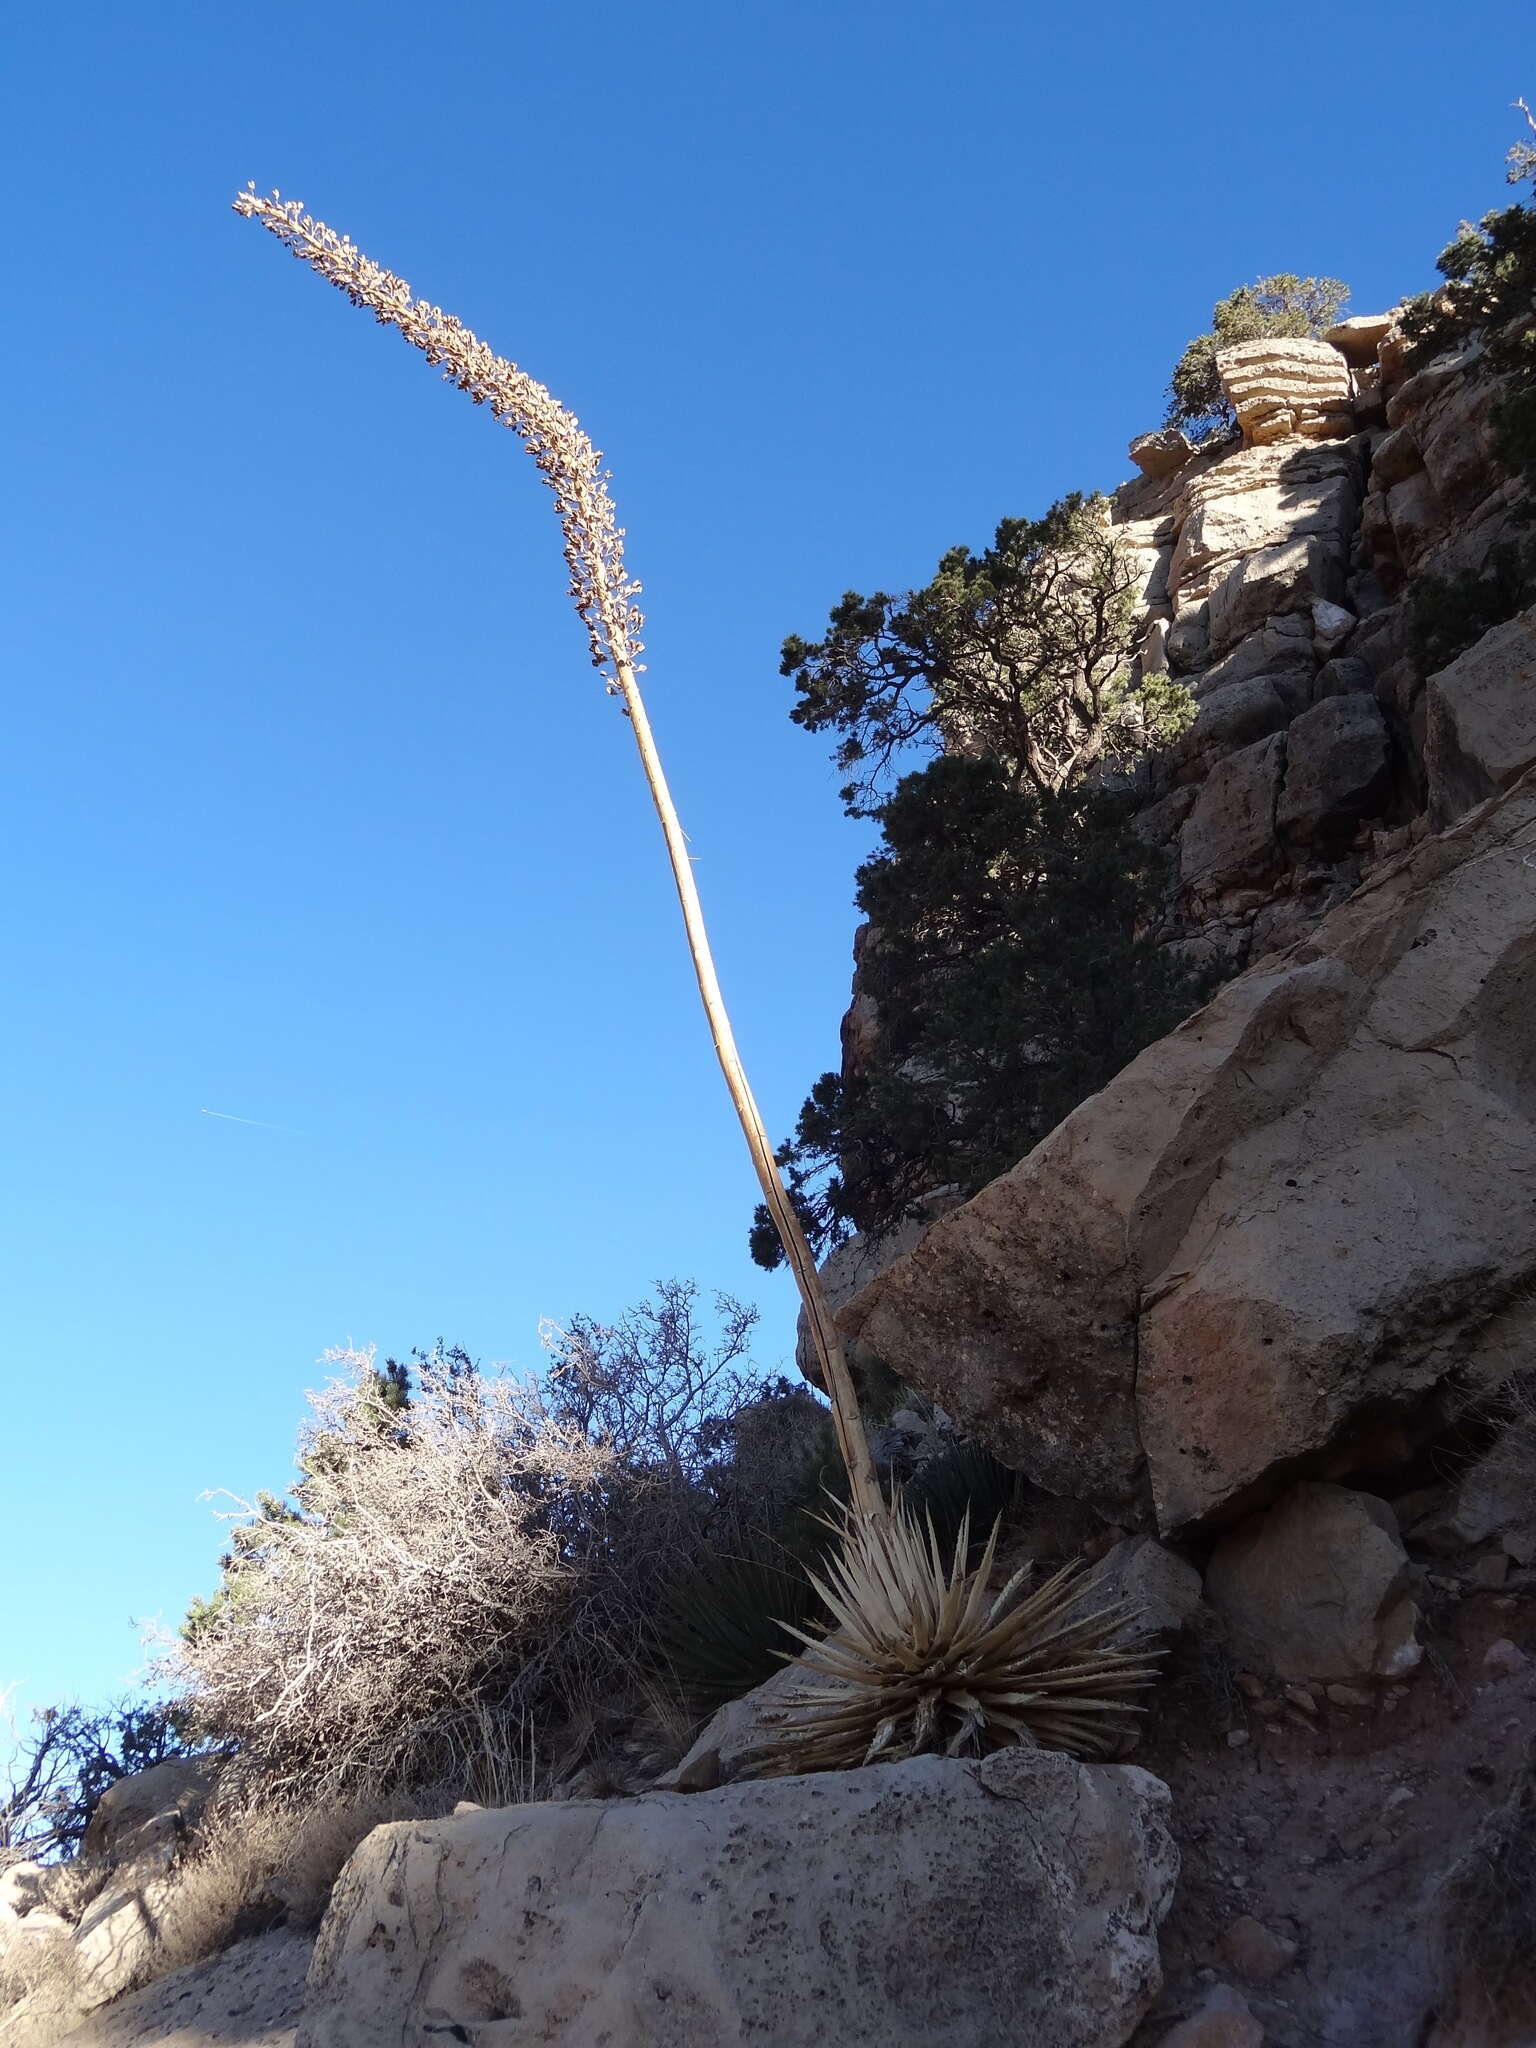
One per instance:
[(1345, 676), (1482, 718), (1331, 626), (1417, 515), (1396, 458), (1224, 2021), (1258, 498), (1009, 1903), (854, 1264), (1231, 830), (1295, 1210), (1164, 1589), (251, 1996), (1189, 638), (1287, 578), (1255, 1951), (1231, 717), (1161, 454), (1338, 769), (180, 1786), (116, 1938), (1281, 650), (1279, 387), (1359, 338), (1504, 1659), (1493, 1498), (725, 1747), (1319, 1587)]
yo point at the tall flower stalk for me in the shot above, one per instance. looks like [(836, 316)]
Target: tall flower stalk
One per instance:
[(604, 596)]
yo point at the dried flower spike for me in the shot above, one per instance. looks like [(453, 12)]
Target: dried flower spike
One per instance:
[(604, 596)]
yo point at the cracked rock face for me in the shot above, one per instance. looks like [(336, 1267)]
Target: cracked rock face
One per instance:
[(1288, 1232), (1010, 1903)]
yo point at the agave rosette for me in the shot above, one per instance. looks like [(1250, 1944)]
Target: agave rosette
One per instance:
[(923, 1659)]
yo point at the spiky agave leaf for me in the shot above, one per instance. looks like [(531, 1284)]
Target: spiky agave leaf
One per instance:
[(722, 1624), (922, 1659)]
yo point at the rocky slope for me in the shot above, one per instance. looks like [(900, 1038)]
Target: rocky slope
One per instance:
[(1255, 1324), (1269, 1298)]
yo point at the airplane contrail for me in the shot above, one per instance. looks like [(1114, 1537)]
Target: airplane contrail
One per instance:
[(225, 1117)]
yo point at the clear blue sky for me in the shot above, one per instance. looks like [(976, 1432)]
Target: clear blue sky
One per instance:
[(316, 814)]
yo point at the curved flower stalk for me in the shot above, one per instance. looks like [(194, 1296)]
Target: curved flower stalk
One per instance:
[(604, 596)]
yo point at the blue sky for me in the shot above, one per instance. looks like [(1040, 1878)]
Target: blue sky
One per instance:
[(317, 815)]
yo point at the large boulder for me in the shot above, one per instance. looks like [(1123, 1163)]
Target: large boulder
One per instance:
[(1289, 577), (1257, 498), (1338, 770), (1283, 1238), (1009, 1903), (1318, 1587), (137, 1815), (1230, 833), (1482, 717)]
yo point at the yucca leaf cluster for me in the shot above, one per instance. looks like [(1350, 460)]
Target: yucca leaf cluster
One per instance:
[(924, 1659)]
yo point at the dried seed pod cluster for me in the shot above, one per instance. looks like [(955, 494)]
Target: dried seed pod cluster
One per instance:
[(594, 542)]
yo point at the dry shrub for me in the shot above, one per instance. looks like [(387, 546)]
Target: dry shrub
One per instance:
[(432, 1559), (491, 1558), (1490, 1900), (262, 1865), (42, 1971)]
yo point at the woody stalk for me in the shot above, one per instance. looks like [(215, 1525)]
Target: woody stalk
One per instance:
[(604, 596)]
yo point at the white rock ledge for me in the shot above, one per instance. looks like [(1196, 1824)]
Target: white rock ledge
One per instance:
[(1009, 1903)]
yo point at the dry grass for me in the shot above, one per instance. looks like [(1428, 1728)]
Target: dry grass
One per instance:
[(262, 1866), (924, 1659), (39, 1970), (1490, 1902)]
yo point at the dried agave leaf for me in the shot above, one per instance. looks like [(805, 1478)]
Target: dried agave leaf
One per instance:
[(923, 1659)]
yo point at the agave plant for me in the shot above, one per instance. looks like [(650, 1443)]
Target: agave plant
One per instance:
[(923, 1659), (722, 1625)]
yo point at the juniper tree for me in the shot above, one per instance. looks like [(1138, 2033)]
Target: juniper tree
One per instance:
[(1011, 975), (1021, 653)]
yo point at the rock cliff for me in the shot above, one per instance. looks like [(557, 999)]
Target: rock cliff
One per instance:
[(1291, 1238)]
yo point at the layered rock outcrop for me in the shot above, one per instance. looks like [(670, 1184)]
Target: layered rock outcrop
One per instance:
[(1283, 387)]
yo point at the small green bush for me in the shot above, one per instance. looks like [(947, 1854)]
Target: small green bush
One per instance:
[(1449, 614)]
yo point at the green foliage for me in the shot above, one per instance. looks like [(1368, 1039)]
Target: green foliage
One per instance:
[(1011, 979), (963, 1487), (1448, 614), (723, 1624), (1020, 653), (1490, 292), (1283, 305)]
